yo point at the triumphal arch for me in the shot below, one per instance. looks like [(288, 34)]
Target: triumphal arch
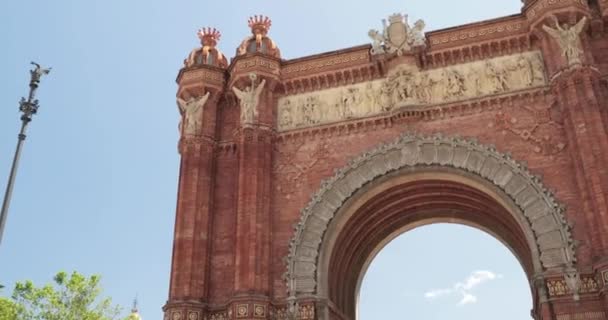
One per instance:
[(295, 173)]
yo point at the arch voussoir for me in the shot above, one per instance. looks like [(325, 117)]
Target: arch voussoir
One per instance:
[(543, 216)]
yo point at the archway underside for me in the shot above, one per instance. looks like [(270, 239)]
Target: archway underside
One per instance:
[(403, 207)]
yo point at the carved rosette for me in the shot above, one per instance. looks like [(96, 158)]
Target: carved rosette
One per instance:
[(537, 205)]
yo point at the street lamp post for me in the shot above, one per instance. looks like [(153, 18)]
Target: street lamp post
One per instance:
[(28, 108)]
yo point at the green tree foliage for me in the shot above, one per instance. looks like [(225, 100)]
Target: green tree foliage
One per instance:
[(69, 297), (8, 309)]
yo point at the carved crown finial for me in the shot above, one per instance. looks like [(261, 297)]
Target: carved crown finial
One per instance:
[(259, 24), (396, 18), (209, 36)]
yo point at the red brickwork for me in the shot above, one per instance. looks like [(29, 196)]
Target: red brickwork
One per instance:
[(243, 186)]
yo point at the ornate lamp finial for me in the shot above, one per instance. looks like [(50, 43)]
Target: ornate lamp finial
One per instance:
[(209, 36), (134, 312), (259, 24)]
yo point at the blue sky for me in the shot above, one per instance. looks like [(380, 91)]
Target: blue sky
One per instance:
[(96, 187)]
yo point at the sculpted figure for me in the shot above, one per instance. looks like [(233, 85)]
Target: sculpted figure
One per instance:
[(386, 97), (455, 85), (416, 36), (538, 70), (38, 72), (476, 81), (370, 100), (525, 72), (403, 82), (497, 79), (568, 39), (423, 88), (377, 40), (310, 110), (249, 99), (191, 111), (286, 120), (346, 102)]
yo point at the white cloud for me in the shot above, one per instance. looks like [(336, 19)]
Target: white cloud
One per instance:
[(467, 298), (475, 279), (464, 287), (437, 293)]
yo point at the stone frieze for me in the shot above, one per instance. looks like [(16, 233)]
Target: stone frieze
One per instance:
[(406, 86)]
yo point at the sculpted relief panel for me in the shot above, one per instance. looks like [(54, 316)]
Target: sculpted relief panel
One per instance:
[(407, 86)]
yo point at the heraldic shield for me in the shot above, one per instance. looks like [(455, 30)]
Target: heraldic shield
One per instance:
[(397, 32), (397, 36)]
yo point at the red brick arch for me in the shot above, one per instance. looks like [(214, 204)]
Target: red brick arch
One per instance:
[(413, 181)]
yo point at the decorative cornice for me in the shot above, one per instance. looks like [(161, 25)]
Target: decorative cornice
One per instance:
[(539, 7), (257, 63), (291, 70), (202, 75), (478, 32), (558, 287)]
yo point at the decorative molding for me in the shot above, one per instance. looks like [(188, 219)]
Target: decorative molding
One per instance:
[(259, 311), (242, 311), (538, 205), (605, 277), (320, 65), (279, 313), (585, 284), (503, 28), (194, 315), (218, 316), (542, 5), (202, 74), (176, 315), (591, 315), (248, 64), (557, 287), (306, 312), (407, 86), (589, 284)]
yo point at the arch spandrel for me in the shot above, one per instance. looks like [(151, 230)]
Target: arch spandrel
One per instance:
[(543, 216)]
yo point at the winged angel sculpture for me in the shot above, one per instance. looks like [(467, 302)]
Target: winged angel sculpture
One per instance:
[(397, 36), (568, 39), (249, 99), (192, 113)]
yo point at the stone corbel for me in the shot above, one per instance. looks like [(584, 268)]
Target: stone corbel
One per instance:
[(573, 281)]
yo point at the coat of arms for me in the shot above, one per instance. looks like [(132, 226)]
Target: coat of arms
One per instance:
[(397, 35)]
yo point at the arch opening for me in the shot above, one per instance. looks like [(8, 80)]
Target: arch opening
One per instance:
[(444, 270), (401, 201), (415, 181)]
